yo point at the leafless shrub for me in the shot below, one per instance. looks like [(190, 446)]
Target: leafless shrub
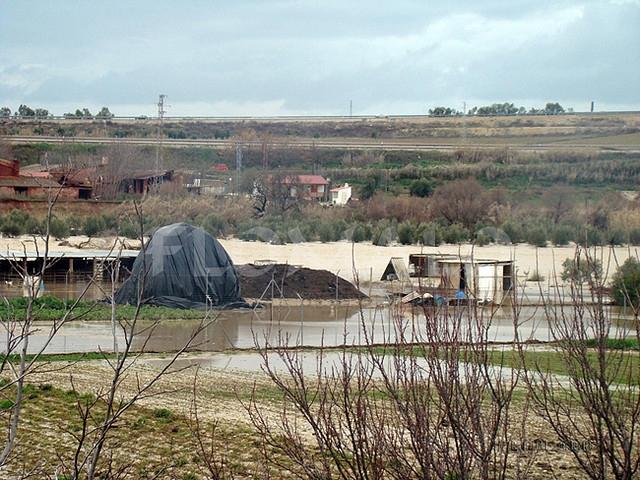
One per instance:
[(462, 201), (431, 404), (93, 455), (19, 362), (206, 442), (594, 407)]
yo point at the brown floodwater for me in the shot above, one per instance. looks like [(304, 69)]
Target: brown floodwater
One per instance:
[(288, 324)]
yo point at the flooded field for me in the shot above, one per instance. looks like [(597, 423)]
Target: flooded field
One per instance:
[(291, 324), (61, 287)]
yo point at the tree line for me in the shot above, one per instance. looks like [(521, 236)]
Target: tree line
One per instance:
[(497, 109), (26, 111)]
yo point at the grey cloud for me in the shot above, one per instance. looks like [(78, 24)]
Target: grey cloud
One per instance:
[(315, 56)]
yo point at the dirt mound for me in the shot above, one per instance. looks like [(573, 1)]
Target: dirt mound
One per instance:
[(308, 283)]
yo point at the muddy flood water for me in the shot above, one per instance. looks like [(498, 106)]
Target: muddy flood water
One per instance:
[(291, 324), (330, 324)]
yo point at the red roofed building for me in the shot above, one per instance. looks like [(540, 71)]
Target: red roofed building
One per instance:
[(308, 187), (9, 169), (312, 187), (31, 184)]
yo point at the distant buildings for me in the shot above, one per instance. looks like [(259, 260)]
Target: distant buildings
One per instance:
[(73, 182)]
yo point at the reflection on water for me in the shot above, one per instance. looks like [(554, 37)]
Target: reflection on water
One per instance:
[(309, 326), (62, 288)]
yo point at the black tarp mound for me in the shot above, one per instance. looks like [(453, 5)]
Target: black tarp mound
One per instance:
[(185, 268)]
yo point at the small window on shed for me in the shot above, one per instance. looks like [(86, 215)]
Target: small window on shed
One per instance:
[(21, 190)]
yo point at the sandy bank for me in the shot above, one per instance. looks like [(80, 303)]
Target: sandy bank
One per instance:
[(361, 259)]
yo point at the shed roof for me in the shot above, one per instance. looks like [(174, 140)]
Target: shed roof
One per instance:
[(147, 174), (29, 182)]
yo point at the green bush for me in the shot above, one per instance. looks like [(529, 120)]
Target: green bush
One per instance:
[(94, 225), (482, 239), (162, 413), (58, 228), (429, 234), (361, 232), (75, 224), (626, 283), (19, 222), (214, 224), (455, 234), (562, 235), (407, 232), (537, 236), (514, 231), (589, 236), (615, 236), (634, 236), (384, 233), (580, 270), (420, 188), (325, 232), (338, 227), (110, 221), (129, 230), (11, 228)]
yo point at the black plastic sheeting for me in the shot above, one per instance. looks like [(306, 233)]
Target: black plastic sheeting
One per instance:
[(185, 268)]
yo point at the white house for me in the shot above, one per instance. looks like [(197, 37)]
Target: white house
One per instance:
[(341, 195)]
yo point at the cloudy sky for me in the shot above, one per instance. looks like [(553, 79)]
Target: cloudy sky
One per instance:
[(312, 57)]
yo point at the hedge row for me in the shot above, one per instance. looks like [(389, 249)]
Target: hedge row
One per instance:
[(326, 229)]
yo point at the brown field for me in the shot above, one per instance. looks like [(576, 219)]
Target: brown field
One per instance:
[(601, 128)]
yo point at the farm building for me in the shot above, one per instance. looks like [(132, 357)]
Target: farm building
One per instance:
[(478, 279), (9, 169), (16, 184), (140, 181)]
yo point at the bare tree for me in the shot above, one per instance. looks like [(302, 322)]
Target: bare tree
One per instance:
[(461, 201), (18, 359), (278, 192), (120, 162), (430, 404), (111, 399), (558, 202), (594, 407)]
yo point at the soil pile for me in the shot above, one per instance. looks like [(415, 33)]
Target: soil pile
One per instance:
[(308, 283)]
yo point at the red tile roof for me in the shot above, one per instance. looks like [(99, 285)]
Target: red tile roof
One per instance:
[(311, 180)]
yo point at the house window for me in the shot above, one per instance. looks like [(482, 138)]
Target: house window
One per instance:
[(21, 191)]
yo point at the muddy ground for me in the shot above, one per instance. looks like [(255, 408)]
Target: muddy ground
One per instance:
[(223, 397)]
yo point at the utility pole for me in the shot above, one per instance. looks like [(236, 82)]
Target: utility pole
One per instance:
[(159, 152), (464, 122), (351, 108), (238, 166), (161, 110)]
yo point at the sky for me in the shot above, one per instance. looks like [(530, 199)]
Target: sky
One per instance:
[(311, 57)]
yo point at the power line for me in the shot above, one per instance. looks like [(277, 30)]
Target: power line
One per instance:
[(159, 151)]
